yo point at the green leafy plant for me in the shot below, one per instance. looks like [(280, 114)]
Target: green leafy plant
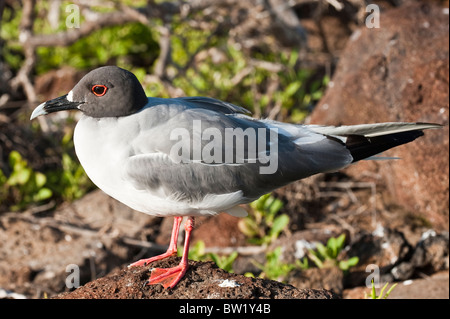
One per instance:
[(121, 44), (264, 224), (274, 268), (327, 256), (224, 262), (71, 182), (229, 73), (373, 293), (24, 185), (197, 252), (203, 61)]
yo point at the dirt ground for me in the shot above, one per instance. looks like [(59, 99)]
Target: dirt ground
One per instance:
[(203, 278)]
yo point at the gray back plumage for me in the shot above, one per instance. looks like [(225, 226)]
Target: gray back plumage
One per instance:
[(194, 179)]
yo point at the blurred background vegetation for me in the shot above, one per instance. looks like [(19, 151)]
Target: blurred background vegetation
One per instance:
[(274, 57), (255, 54)]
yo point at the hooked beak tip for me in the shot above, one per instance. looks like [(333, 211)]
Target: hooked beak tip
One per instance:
[(59, 104), (39, 110)]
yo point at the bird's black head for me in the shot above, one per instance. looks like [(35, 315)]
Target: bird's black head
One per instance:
[(104, 92)]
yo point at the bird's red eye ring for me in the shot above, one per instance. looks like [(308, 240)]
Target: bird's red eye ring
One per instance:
[(99, 90)]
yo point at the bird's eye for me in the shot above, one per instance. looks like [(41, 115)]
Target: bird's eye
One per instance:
[(99, 90)]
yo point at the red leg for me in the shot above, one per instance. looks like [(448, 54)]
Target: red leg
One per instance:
[(169, 277), (172, 250)]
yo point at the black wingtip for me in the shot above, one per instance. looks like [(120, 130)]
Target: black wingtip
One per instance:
[(362, 147)]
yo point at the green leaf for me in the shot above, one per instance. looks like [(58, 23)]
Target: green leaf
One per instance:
[(40, 179), (67, 162), (3, 178), (346, 264), (197, 252), (268, 200), (260, 202), (291, 89), (225, 262), (14, 157), (382, 291), (278, 225), (293, 58), (314, 257), (248, 227), (303, 263), (216, 259), (340, 242), (389, 291), (332, 247), (343, 265), (353, 261), (322, 250), (275, 206), (374, 292), (42, 194), (19, 177)]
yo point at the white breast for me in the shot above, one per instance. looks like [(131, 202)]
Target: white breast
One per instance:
[(101, 152), (103, 147)]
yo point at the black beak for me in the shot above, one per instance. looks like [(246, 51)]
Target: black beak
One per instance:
[(59, 104)]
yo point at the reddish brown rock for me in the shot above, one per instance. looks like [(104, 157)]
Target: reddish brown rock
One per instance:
[(400, 72), (203, 280)]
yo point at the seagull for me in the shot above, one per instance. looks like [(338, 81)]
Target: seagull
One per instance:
[(195, 156)]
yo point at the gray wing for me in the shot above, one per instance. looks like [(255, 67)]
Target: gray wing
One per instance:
[(155, 161), (214, 105)]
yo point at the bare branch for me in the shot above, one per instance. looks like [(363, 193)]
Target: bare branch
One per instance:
[(165, 51), (26, 30)]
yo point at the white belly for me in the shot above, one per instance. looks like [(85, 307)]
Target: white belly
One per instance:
[(104, 160)]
